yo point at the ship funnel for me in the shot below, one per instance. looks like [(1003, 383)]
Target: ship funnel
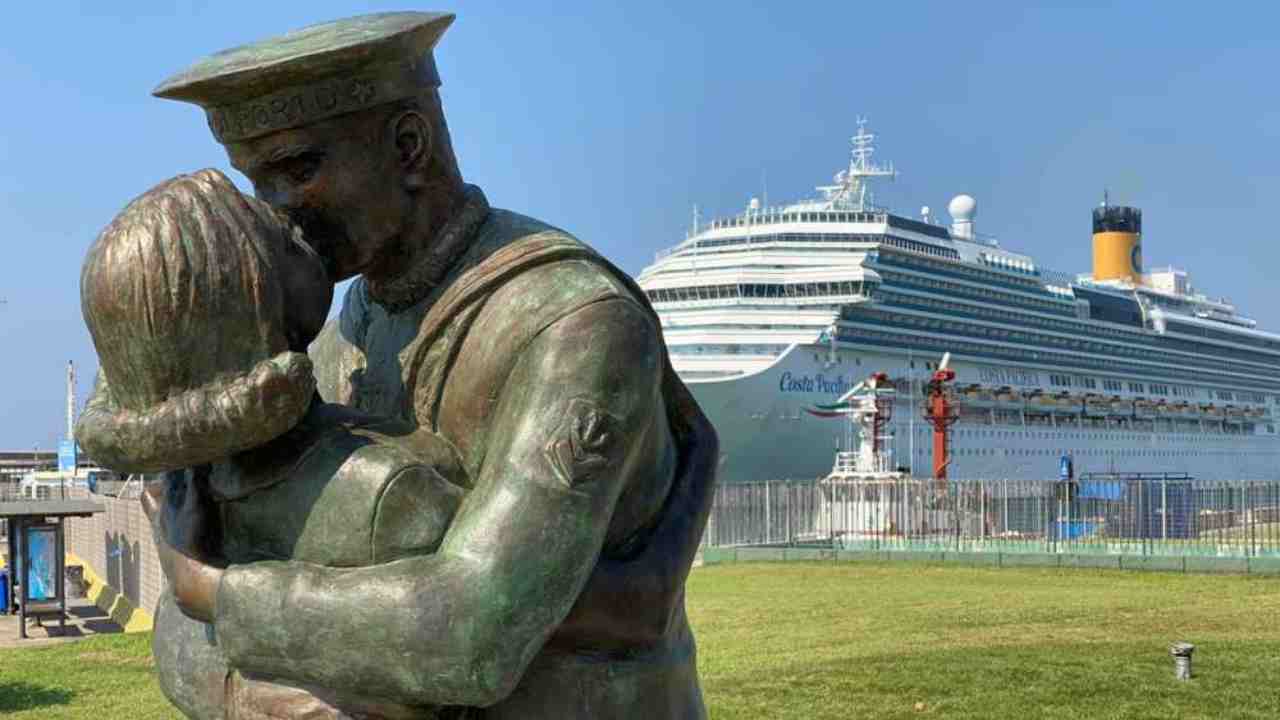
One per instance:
[(1117, 243)]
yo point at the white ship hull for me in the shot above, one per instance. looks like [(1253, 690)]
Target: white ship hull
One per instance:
[(767, 431)]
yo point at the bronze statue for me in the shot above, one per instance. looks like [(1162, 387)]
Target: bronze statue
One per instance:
[(201, 303), (557, 588)]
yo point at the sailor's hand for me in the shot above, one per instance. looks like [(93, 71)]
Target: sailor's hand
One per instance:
[(178, 522)]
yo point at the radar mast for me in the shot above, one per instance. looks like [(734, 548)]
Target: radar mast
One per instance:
[(851, 191)]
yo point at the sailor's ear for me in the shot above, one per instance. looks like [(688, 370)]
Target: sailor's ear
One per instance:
[(412, 137)]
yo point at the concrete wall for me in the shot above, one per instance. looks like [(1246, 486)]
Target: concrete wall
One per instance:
[(117, 550)]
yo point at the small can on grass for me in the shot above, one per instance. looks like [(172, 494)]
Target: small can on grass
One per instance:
[(1181, 652)]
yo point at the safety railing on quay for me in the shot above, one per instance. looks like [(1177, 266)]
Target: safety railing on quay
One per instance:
[(1138, 515)]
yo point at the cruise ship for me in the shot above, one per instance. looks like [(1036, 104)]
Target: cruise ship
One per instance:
[(773, 314)]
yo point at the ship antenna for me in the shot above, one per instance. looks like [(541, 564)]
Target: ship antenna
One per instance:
[(851, 189)]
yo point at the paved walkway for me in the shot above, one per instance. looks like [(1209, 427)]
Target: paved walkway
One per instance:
[(84, 619)]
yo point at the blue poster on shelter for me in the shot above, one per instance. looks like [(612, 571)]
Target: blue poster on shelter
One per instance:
[(42, 570), (67, 456)]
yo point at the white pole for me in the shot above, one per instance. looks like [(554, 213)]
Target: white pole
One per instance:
[(911, 413)]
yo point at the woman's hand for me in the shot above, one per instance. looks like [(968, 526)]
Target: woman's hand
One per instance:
[(180, 523)]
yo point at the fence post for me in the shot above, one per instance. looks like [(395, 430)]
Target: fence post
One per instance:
[(831, 501), (1005, 484), (953, 486), (1251, 519), (982, 512), (786, 512), (1164, 510), (768, 525)]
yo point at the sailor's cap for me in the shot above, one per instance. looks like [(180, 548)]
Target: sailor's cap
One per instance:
[(312, 74)]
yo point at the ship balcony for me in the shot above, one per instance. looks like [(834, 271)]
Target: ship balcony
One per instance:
[(852, 463)]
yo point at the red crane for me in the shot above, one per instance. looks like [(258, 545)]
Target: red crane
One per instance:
[(940, 412)]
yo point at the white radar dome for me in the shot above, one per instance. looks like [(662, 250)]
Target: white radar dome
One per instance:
[(962, 208)]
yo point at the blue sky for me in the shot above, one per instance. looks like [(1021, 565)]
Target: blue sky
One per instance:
[(612, 119)]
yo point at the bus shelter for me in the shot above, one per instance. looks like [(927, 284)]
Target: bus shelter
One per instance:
[(37, 556)]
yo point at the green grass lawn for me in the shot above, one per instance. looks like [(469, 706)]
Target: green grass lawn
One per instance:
[(99, 678), (870, 641), (906, 641)]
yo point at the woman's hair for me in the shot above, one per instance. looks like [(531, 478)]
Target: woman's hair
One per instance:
[(187, 287)]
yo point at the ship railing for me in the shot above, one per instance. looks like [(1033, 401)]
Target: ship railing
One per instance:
[(852, 462), (846, 462), (1122, 515)]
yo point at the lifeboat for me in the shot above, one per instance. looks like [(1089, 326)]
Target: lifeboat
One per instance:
[(977, 396), (1096, 405), (1184, 410), (1120, 406), (1008, 396), (1143, 408), (1041, 401), (1068, 404)]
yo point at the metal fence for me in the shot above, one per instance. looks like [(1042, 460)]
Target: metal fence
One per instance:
[(1129, 516), (13, 490)]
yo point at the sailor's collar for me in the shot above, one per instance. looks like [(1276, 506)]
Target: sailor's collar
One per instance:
[(433, 262)]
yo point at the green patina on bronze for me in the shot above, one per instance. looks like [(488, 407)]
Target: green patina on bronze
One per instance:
[(508, 362)]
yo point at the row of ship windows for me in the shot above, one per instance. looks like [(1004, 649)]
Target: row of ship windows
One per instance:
[(734, 349), (995, 276), (985, 294), (1113, 385), (1089, 383), (963, 272), (1033, 338), (891, 240), (1075, 328), (1042, 435), (1016, 300), (788, 238), (864, 243), (1084, 452), (770, 218), (1220, 335), (939, 345), (759, 290)]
